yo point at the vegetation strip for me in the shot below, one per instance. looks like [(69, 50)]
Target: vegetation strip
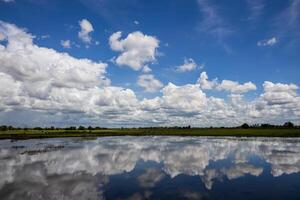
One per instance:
[(257, 130), (30, 134)]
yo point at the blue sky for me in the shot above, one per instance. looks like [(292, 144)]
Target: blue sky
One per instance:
[(239, 40)]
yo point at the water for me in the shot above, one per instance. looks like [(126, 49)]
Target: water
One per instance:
[(150, 168)]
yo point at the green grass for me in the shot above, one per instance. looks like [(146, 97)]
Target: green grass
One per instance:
[(259, 132)]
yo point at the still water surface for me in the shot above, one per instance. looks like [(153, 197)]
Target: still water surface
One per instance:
[(150, 168)]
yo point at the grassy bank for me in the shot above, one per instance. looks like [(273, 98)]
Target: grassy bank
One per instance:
[(252, 132)]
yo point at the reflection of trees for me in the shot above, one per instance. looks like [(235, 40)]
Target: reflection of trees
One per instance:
[(79, 164)]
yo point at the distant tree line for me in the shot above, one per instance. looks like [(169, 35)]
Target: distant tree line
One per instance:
[(8, 128), (90, 128), (164, 127), (285, 125)]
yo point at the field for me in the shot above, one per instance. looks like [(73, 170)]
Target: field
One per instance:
[(252, 132)]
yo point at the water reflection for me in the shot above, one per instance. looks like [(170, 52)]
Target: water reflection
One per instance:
[(148, 168)]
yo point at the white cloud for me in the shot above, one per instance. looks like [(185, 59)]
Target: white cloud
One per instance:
[(205, 83), (227, 85), (43, 79), (136, 49), (146, 69), (9, 91), (66, 44), (278, 101), (85, 29), (57, 88), (136, 22), (186, 98), (235, 87), (149, 83), (151, 104), (268, 42), (278, 93), (2, 37), (188, 65)]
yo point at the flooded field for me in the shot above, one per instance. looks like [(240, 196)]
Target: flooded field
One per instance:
[(150, 168)]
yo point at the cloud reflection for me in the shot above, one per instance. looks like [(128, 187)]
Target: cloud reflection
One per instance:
[(82, 168)]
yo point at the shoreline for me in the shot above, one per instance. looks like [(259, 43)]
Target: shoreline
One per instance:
[(233, 132)]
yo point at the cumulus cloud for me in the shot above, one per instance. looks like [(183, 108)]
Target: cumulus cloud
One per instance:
[(188, 104), (188, 65), (136, 49), (43, 79), (278, 93), (85, 29), (2, 37), (66, 44), (235, 87), (149, 83), (227, 85), (57, 88), (268, 42), (9, 90), (186, 98), (277, 101), (205, 83)]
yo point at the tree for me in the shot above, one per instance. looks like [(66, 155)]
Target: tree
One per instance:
[(288, 125), (3, 128), (71, 128), (245, 125), (81, 128)]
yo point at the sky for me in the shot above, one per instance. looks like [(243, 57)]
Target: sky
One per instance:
[(131, 63)]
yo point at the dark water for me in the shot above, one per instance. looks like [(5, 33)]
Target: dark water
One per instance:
[(150, 168)]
